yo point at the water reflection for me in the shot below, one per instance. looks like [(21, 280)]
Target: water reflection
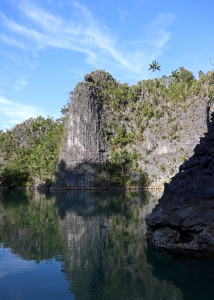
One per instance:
[(29, 225), (195, 278), (99, 240), (106, 246)]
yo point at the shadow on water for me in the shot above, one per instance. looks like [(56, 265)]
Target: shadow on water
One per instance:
[(89, 203), (12, 197), (105, 258), (194, 277), (99, 239)]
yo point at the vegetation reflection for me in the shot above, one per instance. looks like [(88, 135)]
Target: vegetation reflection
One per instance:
[(106, 255), (97, 236), (29, 225)]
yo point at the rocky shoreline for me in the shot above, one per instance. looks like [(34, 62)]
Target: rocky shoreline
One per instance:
[(183, 220), (132, 188)]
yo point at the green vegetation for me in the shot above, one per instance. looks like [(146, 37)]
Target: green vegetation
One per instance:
[(30, 226), (121, 170), (132, 119), (154, 66), (133, 111), (132, 107), (30, 151)]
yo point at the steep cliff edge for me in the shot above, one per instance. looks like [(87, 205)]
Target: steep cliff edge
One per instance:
[(183, 221), (84, 135), (121, 135), (115, 134), (84, 147)]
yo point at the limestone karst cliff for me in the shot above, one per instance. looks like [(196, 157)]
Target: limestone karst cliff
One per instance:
[(121, 135), (114, 135), (183, 220)]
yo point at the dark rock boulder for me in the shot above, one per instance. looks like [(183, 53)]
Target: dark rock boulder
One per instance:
[(183, 220)]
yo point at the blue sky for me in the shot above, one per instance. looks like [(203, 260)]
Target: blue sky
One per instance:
[(46, 46)]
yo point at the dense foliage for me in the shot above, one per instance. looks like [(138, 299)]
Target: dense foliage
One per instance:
[(30, 151), (148, 99)]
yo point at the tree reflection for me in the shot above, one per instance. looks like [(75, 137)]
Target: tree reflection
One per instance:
[(97, 236), (106, 246), (29, 225)]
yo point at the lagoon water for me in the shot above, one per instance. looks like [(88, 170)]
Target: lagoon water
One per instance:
[(89, 245)]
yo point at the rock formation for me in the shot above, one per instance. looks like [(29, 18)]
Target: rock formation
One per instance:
[(114, 135), (84, 144), (85, 138), (107, 119), (183, 220)]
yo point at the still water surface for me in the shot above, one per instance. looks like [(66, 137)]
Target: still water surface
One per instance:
[(89, 245)]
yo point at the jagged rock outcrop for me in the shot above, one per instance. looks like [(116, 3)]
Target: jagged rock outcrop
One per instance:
[(141, 129), (85, 138), (85, 143), (183, 220), (116, 135)]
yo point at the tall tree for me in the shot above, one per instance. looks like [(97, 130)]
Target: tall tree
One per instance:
[(200, 74), (154, 66), (175, 74)]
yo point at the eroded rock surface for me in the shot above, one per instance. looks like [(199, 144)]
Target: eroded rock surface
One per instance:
[(84, 145), (183, 220), (160, 141)]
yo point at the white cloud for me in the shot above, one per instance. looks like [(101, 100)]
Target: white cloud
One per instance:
[(15, 68), (123, 15), (11, 41), (153, 42), (16, 112), (83, 34), (157, 33), (20, 83)]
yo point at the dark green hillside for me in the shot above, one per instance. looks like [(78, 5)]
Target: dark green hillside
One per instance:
[(29, 152)]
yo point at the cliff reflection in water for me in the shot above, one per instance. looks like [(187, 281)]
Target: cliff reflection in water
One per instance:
[(106, 246), (99, 238)]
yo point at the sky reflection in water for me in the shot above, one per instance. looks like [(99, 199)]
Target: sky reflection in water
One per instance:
[(89, 245)]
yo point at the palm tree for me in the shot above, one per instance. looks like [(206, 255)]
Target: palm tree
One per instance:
[(175, 74), (154, 66)]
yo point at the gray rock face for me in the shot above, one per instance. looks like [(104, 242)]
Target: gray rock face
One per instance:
[(84, 145), (164, 155), (183, 220), (161, 147), (84, 139)]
